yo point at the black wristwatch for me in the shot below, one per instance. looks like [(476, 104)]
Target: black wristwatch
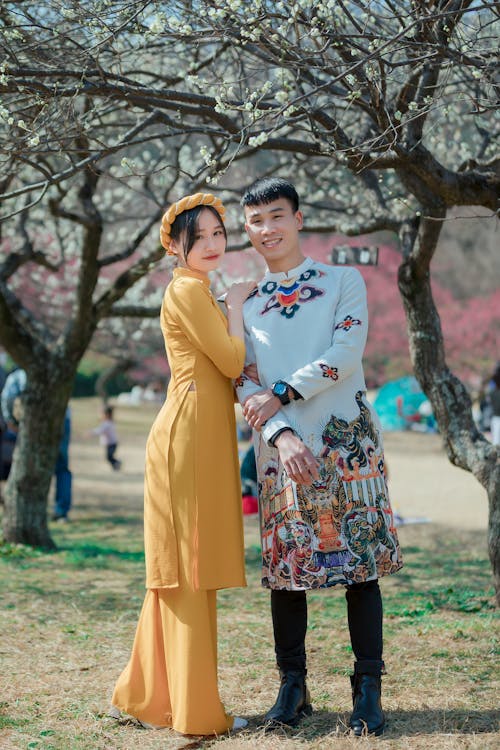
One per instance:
[(280, 390)]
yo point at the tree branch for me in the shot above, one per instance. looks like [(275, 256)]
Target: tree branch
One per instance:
[(132, 311), (20, 333), (124, 282)]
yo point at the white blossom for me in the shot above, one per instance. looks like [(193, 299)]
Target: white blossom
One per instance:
[(258, 140)]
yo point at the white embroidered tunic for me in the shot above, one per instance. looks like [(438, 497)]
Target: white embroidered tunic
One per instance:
[(308, 327)]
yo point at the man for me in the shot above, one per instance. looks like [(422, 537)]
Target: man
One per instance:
[(324, 509), (11, 408), (5, 453)]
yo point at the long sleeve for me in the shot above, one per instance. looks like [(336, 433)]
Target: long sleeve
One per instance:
[(14, 385), (246, 387), (350, 327), (196, 313)]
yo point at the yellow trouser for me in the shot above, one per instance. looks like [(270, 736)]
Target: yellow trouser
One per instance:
[(171, 678)]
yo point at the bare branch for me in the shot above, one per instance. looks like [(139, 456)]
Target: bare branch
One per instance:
[(132, 311)]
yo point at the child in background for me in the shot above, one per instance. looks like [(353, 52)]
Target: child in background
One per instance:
[(107, 437)]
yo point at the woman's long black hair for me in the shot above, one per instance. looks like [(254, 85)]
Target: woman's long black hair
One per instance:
[(188, 221)]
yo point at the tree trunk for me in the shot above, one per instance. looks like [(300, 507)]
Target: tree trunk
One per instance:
[(119, 367), (494, 524), (465, 445), (44, 404)]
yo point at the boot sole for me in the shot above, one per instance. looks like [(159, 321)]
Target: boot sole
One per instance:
[(363, 732)]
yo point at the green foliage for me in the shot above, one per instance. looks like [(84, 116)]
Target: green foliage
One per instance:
[(84, 384), (87, 376), (6, 722), (18, 551), (99, 556)]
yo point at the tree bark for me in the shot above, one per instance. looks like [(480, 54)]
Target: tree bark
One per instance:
[(465, 445), (44, 404)]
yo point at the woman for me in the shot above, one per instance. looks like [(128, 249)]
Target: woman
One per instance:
[(192, 504)]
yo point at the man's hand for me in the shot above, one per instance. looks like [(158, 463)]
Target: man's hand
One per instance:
[(260, 407), (300, 464)]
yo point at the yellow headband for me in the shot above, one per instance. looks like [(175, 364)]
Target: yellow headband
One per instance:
[(189, 201)]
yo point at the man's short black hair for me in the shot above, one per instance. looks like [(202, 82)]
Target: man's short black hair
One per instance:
[(268, 189)]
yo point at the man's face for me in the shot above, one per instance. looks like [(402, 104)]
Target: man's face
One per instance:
[(273, 229)]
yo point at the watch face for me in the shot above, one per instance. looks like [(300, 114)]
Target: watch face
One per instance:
[(280, 389)]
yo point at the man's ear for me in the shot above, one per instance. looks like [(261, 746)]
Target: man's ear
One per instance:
[(299, 216), (247, 226)]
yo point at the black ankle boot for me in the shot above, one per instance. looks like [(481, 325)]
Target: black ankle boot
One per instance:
[(293, 701), (367, 716)]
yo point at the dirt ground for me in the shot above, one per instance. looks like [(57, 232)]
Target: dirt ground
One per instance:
[(69, 620), (424, 483)]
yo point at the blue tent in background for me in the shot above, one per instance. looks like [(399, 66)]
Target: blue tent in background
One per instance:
[(397, 404)]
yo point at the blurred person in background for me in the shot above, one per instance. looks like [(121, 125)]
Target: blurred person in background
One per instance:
[(12, 412), (494, 399), (106, 431)]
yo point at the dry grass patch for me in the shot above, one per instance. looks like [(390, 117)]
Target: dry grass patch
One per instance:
[(68, 618)]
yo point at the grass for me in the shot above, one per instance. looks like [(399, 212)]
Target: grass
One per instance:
[(68, 618)]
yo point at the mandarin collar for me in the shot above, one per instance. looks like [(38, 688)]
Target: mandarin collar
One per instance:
[(192, 274), (290, 274)]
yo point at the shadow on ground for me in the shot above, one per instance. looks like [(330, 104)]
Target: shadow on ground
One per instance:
[(399, 723)]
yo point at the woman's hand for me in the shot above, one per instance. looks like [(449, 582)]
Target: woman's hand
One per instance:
[(252, 373), (238, 293)]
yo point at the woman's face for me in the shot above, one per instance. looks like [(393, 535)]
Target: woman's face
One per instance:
[(209, 245)]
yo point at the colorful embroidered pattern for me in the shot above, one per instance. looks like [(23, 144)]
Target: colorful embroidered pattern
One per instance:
[(347, 435), (338, 530), (329, 372), (347, 323), (289, 295), (240, 382)]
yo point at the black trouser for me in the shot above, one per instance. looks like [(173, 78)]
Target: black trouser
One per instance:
[(110, 454), (364, 615)]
